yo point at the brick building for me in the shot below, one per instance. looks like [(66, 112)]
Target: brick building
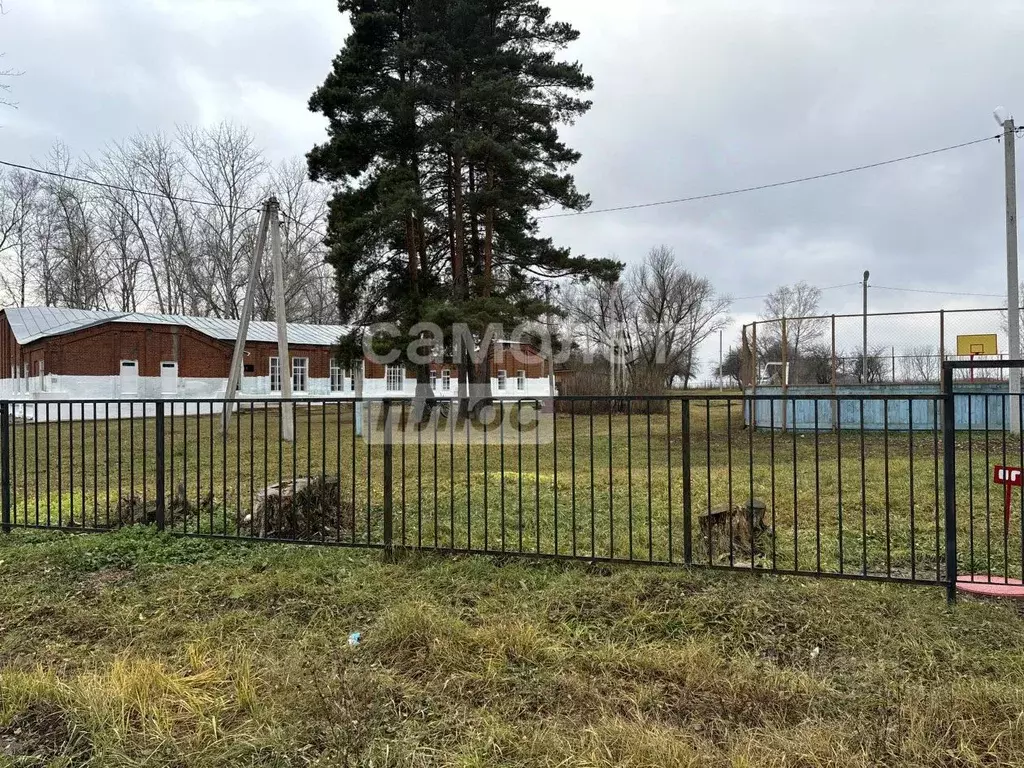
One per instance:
[(52, 353)]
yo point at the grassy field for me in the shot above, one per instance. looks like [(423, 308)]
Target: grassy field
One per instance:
[(136, 649), (603, 486)]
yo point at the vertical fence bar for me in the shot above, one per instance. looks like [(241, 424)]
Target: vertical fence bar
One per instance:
[(687, 487), (611, 484), (949, 479), (160, 502), (728, 449), (913, 519), (988, 499), (5, 463), (388, 478)]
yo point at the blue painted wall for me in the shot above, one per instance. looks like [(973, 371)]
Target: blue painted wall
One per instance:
[(973, 404)]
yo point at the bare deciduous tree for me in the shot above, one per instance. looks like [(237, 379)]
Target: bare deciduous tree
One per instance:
[(147, 241), (657, 317), (18, 197), (227, 169), (920, 364), (797, 304)]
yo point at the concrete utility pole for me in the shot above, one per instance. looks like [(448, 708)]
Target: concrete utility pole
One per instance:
[(235, 374), (280, 311), (1012, 279), (864, 361), (721, 358)]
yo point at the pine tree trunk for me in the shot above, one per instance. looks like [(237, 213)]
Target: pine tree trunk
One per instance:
[(459, 256), (488, 252), (420, 409), (465, 366), (474, 225)]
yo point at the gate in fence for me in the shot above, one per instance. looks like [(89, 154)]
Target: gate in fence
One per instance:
[(901, 492), (983, 467)]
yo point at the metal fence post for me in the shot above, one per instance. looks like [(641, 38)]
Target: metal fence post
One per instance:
[(161, 508), (5, 461), (754, 376), (942, 340), (834, 379), (389, 543), (949, 478), (687, 486)]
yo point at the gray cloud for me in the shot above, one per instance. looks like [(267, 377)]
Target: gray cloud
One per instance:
[(690, 98)]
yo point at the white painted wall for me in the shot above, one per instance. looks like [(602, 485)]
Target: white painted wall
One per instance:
[(35, 398)]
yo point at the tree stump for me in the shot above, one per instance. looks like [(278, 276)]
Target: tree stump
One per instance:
[(733, 529), (302, 509)]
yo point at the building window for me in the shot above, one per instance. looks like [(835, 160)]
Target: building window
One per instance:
[(275, 374), (351, 374), (502, 378), (521, 380), (300, 374), (433, 379), (395, 378), (337, 377), (446, 380)]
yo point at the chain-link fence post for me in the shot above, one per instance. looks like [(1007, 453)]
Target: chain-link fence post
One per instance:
[(785, 376), (942, 345), (754, 375), (834, 379)]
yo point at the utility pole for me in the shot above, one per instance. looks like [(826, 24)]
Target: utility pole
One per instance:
[(864, 360), (235, 374), (1012, 279), (280, 311), (721, 358)]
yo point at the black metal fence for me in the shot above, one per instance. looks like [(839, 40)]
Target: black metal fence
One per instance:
[(656, 480), (893, 487)]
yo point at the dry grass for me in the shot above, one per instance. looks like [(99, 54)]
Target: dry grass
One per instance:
[(132, 649)]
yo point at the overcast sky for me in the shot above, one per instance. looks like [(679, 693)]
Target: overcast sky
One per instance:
[(690, 98)]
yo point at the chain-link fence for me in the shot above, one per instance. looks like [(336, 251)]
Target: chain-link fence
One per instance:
[(904, 348)]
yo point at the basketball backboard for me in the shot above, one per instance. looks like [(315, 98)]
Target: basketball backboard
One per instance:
[(978, 344)]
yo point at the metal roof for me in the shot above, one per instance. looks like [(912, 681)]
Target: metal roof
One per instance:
[(31, 324)]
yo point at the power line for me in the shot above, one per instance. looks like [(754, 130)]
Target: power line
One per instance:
[(121, 188), (773, 185), (937, 293), (765, 296)]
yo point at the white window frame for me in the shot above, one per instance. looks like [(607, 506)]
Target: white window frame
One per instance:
[(300, 374), (446, 380), (337, 377), (433, 380), (521, 381), (274, 371), (394, 378), (502, 380)]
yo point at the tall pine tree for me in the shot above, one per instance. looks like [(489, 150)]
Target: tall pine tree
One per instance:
[(443, 141)]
